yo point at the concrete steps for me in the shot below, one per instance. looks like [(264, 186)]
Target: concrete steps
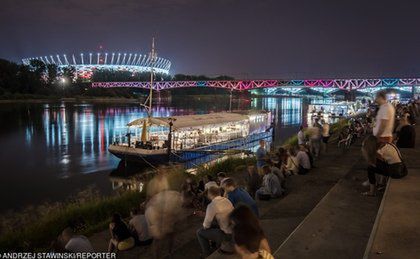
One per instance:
[(347, 225), (339, 226), (280, 218)]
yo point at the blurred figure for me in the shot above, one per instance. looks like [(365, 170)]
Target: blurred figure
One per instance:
[(325, 135), (139, 228), (75, 243), (252, 179), (121, 238), (384, 121), (238, 196), (315, 138), (163, 211), (158, 183), (190, 193), (218, 209)]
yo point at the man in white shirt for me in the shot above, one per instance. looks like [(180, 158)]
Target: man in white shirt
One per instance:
[(218, 209), (304, 163), (76, 243), (385, 118), (138, 224)]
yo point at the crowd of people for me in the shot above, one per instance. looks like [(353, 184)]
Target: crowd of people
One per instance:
[(230, 212)]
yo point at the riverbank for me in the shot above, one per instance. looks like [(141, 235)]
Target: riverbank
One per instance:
[(93, 99), (89, 212), (43, 99)]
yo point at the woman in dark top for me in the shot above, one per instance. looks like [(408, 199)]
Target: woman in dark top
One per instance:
[(406, 137), (121, 237)]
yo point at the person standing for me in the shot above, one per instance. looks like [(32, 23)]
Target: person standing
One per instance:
[(325, 134), (315, 138), (218, 209), (384, 122), (301, 136), (163, 211)]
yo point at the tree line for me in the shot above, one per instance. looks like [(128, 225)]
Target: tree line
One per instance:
[(42, 79)]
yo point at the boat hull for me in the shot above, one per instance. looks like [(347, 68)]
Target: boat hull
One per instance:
[(139, 155), (160, 156)]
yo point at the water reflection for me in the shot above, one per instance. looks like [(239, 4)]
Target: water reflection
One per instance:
[(52, 149), (77, 136), (288, 111)]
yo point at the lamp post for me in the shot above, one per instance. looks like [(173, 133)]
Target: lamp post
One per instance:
[(171, 123), (63, 82), (230, 100)]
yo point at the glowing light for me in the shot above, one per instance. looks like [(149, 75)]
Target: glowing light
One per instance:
[(134, 63)]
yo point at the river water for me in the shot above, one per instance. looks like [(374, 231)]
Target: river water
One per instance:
[(52, 150)]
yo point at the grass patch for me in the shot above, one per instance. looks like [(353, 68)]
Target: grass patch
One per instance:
[(36, 228)]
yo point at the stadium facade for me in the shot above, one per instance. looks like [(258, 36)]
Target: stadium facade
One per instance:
[(86, 63)]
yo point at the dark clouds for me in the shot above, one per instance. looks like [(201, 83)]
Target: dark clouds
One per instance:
[(244, 38)]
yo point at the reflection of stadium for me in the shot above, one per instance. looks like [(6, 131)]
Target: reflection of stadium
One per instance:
[(86, 64)]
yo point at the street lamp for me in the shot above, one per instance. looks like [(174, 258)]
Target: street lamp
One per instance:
[(171, 123)]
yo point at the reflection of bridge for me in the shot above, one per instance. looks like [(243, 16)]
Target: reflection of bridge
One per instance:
[(243, 85)]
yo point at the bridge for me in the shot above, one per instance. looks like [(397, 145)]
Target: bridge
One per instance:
[(245, 85)]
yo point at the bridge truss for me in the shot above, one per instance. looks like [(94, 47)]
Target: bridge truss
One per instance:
[(245, 85)]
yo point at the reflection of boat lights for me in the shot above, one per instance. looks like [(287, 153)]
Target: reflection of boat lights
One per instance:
[(65, 161)]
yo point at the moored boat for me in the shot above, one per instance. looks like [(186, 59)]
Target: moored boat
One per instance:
[(182, 138)]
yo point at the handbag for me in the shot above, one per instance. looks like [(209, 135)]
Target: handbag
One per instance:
[(398, 170)]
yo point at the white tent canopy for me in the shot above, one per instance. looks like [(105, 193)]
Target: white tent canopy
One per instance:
[(189, 121)]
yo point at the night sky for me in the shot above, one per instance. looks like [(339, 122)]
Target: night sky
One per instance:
[(293, 39)]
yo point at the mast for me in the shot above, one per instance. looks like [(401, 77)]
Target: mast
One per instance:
[(152, 57)]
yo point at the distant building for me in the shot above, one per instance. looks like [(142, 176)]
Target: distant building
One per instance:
[(86, 64)]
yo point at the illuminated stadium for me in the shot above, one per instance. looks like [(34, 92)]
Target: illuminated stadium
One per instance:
[(86, 64)]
